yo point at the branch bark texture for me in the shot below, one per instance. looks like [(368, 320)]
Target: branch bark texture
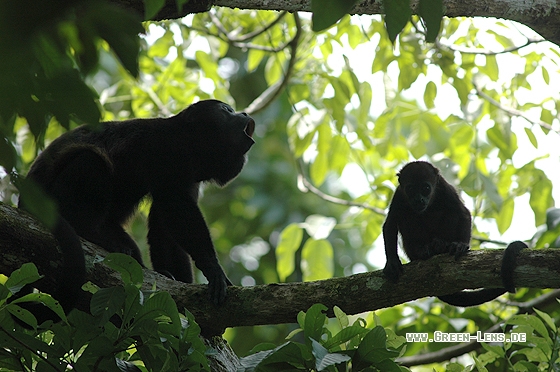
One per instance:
[(543, 16), (22, 240)]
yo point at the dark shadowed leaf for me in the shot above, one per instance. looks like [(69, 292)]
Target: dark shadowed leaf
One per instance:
[(397, 14), (327, 12), (431, 12)]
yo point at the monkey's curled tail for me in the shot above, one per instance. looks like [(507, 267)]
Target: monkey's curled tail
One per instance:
[(478, 297)]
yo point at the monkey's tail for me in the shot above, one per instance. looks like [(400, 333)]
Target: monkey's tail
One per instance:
[(73, 273), (478, 297), (472, 298), (509, 263), (71, 277)]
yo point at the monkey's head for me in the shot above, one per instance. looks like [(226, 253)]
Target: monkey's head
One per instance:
[(219, 138), (418, 180)]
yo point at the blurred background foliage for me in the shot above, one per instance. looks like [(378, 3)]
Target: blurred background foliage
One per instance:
[(338, 112)]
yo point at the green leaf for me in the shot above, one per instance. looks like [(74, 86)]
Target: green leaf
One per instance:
[(208, 65), (161, 303), (545, 76), (36, 201), (120, 29), (317, 260), (345, 335), (107, 302), (541, 199), (397, 14), (254, 58), (152, 7), (491, 68), (327, 12), (319, 168), (22, 314), (8, 155), (19, 278), (133, 302), (315, 320), (534, 322), (289, 242), (373, 349), (505, 216), (546, 318), (431, 12), (532, 137), (430, 94), (324, 359), (130, 270), (341, 316), (44, 299)]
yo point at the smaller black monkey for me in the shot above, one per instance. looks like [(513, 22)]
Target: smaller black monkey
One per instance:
[(432, 220), (98, 177)]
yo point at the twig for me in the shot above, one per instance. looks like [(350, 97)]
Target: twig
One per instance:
[(512, 111), (305, 185), (235, 39), (483, 51), (266, 97)]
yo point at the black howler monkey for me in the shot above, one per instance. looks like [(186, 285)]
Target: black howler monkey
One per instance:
[(98, 177), (432, 219)]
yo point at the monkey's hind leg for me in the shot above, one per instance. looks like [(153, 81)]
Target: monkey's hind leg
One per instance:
[(167, 256), (82, 187)]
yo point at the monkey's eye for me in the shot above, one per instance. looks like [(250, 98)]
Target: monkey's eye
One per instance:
[(228, 108), (425, 189)]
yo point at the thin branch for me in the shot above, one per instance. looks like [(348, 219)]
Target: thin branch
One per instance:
[(306, 186), (483, 51), (155, 98), (228, 37), (482, 240), (240, 39), (466, 347), (266, 97), (512, 111)]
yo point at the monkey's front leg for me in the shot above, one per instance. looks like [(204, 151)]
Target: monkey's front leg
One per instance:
[(393, 268), (185, 225)]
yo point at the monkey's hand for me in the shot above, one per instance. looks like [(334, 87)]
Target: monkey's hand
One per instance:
[(393, 269), (458, 249), (217, 284)]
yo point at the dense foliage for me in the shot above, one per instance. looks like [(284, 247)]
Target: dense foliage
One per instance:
[(338, 112)]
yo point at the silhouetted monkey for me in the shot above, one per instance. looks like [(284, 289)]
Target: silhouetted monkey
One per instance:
[(432, 219), (98, 177)]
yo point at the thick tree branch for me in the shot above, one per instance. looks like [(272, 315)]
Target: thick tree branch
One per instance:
[(22, 240), (541, 16)]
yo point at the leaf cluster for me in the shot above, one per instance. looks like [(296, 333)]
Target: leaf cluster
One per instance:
[(537, 352), (52, 46), (127, 328), (353, 348)]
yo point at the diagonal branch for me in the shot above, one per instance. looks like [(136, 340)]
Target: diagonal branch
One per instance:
[(22, 239), (270, 94), (512, 111)]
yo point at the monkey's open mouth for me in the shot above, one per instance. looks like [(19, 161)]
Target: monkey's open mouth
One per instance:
[(250, 128)]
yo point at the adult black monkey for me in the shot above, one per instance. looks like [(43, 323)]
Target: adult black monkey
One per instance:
[(98, 177), (432, 219)]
